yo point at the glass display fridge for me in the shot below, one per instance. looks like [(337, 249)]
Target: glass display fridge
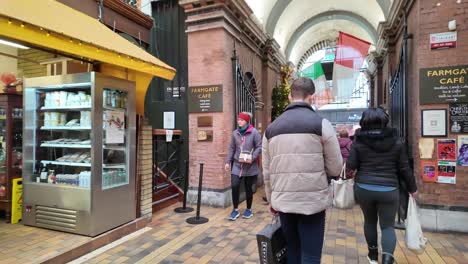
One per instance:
[(79, 153)]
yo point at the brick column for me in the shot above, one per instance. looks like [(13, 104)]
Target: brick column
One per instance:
[(213, 31), (145, 162)]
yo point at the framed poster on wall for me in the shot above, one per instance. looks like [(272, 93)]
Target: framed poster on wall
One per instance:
[(434, 123)]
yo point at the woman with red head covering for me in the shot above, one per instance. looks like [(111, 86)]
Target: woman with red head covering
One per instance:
[(244, 150)]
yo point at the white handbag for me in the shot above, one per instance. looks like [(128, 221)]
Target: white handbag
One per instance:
[(343, 191), (245, 156), (414, 237)]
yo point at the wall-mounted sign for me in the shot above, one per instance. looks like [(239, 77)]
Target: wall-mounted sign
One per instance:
[(443, 85), (446, 172), (458, 118), (446, 149), (443, 40), (434, 122), (203, 99), (354, 117), (169, 120), (462, 151), (429, 170)]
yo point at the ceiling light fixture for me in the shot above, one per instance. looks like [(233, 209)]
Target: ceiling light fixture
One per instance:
[(12, 44)]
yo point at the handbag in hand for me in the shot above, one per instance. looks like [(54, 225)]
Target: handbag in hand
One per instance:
[(272, 244), (343, 191)]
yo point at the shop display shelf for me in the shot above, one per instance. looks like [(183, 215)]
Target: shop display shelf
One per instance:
[(113, 166), (65, 128), (114, 108), (66, 163), (115, 148), (80, 85), (114, 185), (74, 146), (66, 108), (52, 185)]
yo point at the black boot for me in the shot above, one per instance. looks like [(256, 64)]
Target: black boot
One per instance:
[(387, 258), (373, 255)]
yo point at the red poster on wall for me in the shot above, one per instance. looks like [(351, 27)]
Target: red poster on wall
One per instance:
[(429, 170), (446, 149)]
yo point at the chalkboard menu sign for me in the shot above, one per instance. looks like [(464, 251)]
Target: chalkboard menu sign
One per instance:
[(205, 99), (458, 118), (443, 85)]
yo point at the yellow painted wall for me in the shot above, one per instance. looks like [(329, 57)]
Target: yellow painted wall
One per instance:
[(8, 64)]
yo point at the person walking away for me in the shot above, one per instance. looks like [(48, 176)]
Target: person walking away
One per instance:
[(299, 150), (345, 144), (379, 159), (244, 150)]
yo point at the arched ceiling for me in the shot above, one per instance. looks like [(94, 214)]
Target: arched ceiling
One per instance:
[(327, 30), (298, 24)]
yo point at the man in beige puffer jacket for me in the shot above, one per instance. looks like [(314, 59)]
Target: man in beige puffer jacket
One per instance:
[(299, 151)]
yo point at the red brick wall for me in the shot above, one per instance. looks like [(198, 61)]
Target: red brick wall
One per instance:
[(210, 53), (210, 64), (424, 19)]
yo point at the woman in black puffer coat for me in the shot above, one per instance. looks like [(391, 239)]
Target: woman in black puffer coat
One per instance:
[(380, 161)]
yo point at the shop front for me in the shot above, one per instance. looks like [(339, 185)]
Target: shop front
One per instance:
[(82, 87)]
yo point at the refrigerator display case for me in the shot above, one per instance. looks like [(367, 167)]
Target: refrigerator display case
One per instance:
[(79, 153), (11, 136)]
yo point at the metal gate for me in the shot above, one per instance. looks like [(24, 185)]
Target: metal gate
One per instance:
[(399, 93), (245, 88), (399, 119)]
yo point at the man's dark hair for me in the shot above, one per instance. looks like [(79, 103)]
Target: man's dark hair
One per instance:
[(302, 87), (374, 118)]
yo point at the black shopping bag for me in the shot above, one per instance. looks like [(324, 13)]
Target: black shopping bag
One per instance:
[(272, 244)]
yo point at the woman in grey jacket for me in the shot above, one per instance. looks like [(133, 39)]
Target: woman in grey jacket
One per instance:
[(244, 150)]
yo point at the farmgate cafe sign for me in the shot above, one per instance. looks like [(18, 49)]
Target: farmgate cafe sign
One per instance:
[(443, 85), (205, 99)]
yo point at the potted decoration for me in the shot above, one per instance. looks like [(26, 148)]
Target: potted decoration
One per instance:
[(9, 82)]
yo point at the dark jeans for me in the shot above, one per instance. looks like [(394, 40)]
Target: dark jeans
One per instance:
[(379, 207), (304, 237), (235, 185)]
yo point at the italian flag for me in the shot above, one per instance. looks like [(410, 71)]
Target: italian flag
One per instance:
[(322, 94), (349, 57)]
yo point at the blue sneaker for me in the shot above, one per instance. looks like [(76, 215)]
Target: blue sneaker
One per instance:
[(247, 214), (234, 215)]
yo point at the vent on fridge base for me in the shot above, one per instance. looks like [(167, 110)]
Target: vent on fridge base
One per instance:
[(56, 218)]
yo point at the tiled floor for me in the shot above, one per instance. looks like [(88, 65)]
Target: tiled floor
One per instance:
[(172, 240), (24, 244)]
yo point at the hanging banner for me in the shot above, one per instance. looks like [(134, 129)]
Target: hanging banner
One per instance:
[(443, 85), (429, 170), (446, 171), (446, 149), (462, 151), (458, 118)]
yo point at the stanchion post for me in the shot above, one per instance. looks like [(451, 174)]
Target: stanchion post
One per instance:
[(198, 219), (184, 208)]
